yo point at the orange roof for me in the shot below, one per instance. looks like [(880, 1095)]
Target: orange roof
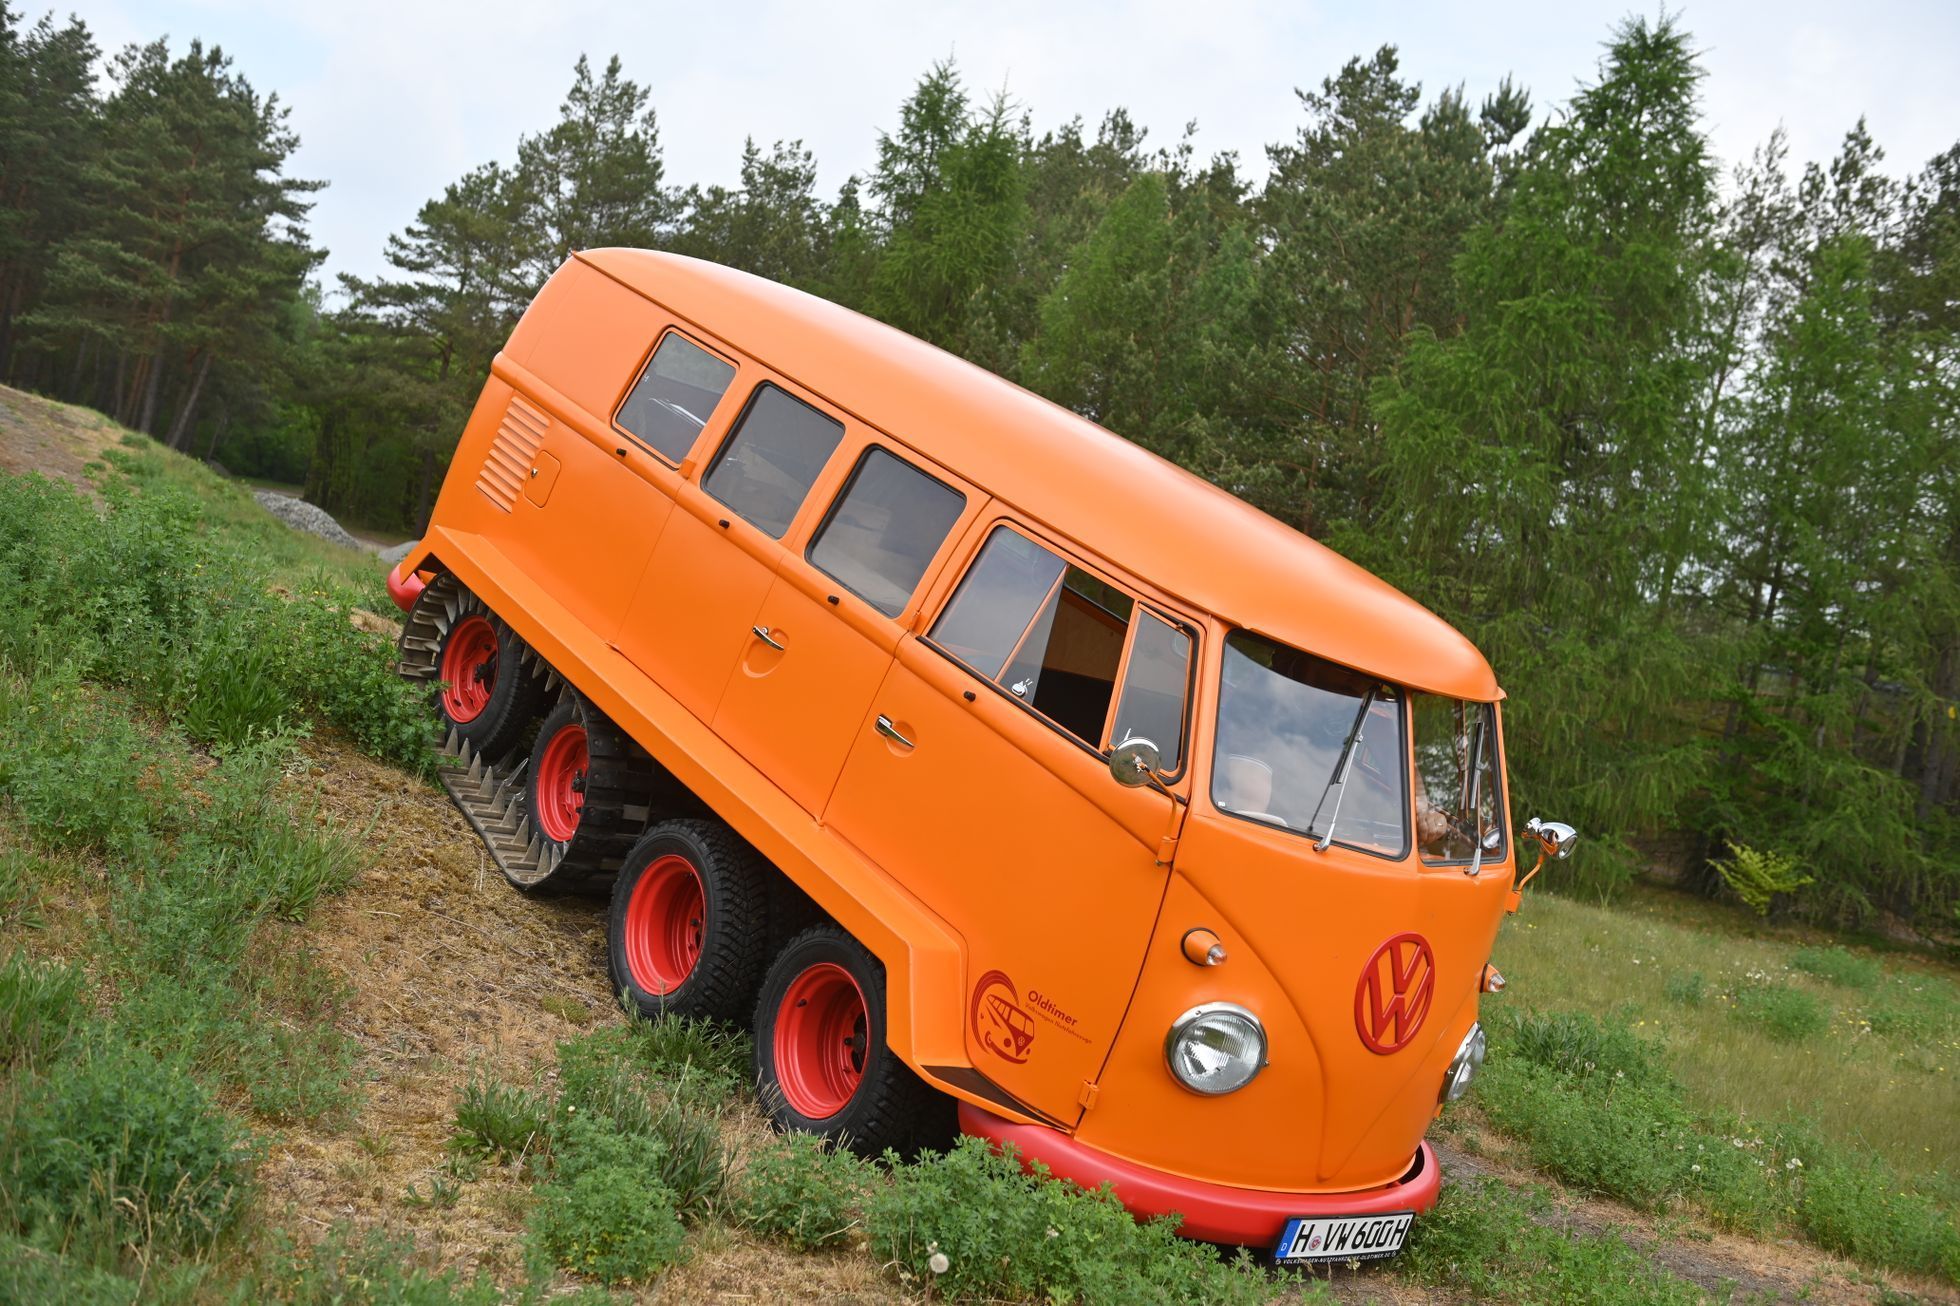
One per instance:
[(1180, 532)]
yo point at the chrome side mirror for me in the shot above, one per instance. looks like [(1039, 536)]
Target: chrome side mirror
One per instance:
[(1134, 763), (1555, 837)]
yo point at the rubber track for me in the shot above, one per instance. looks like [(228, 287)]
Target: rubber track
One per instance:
[(491, 797)]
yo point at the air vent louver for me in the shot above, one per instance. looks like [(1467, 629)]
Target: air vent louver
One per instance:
[(519, 436)]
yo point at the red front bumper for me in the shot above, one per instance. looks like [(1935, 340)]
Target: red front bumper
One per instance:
[(1250, 1217), (404, 589)]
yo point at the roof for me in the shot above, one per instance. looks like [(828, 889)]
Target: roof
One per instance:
[(1183, 534)]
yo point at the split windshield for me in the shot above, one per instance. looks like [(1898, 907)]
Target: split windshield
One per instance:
[(1311, 747)]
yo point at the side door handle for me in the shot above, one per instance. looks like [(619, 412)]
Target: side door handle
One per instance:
[(762, 633), (890, 731)]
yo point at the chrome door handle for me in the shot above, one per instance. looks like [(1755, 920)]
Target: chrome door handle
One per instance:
[(762, 633), (890, 731)]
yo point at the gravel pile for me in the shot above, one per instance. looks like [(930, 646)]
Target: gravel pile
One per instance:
[(303, 516)]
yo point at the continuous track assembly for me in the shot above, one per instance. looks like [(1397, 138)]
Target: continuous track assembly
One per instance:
[(490, 792)]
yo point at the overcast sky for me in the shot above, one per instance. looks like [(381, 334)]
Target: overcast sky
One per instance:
[(393, 99)]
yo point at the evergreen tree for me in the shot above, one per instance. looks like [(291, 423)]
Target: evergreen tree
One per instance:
[(594, 179), (1362, 217), (1535, 463)]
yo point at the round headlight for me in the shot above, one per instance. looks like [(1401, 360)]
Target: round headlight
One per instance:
[(1215, 1048), (1464, 1066)]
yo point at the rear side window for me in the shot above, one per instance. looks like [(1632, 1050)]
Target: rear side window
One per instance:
[(769, 463), (884, 529), (1053, 636), (671, 401)]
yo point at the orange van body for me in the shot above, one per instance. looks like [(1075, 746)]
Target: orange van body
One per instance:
[(1033, 915)]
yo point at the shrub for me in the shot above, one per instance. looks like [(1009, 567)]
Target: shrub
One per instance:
[(1574, 1043), (498, 1120), (1785, 1014), (606, 1219), (1687, 989), (1839, 966), (1858, 1207), (39, 1007), (972, 1224), (129, 1144), (1757, 877), (801, 1190), (81, 774)]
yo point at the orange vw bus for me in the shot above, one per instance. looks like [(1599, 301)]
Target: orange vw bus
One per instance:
[(998, 774)]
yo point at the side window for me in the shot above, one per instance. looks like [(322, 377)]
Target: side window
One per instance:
[(671, 401), (772, 458), (1449, 735), (1152, 704), (1050, 634), (884, 529)]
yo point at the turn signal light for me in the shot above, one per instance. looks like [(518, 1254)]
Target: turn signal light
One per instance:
[(1202, 948), (1493, 982)]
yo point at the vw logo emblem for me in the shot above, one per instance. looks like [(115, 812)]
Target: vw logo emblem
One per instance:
[(1394, 993)]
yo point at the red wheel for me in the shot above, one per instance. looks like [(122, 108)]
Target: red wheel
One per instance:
[(690, 915), (820, 1041), (468, 668), (821, 1061), (562, 767), (664, 916)]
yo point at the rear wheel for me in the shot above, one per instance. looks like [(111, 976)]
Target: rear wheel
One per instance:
[(588, 791), (488, 698), (822, 1065), (690, 914)]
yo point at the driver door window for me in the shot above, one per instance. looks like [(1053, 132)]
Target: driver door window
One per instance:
[(1055, 637)]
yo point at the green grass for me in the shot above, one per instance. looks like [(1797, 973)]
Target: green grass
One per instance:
[(1869, 1054), (1495, 1244)]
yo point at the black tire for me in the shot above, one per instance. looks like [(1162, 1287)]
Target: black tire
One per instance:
[(515, 698), (730, 908), (614, 797), (888, 1106)]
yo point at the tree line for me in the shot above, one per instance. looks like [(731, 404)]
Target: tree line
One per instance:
[(1676, 449)]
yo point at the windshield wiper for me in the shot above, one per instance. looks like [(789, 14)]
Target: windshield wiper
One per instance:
[(1340, 775)]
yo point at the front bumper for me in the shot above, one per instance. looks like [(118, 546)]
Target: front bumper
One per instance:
[(1250, 1217), (404, 587)]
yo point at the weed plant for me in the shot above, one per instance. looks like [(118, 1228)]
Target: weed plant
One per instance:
[(499, 1121), (1839, 966), (803, 1191), (1785, 1014), (971, 1225)]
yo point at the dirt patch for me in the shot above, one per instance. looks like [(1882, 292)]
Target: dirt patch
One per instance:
[(56, 440)]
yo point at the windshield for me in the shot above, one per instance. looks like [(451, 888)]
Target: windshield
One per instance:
[(1449, 732), (1286, 720)]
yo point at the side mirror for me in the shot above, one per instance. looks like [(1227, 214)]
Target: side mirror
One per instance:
[(1134, 763), (1555, 837)]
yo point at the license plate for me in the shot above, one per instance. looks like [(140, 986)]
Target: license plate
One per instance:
[(1342, 1238)]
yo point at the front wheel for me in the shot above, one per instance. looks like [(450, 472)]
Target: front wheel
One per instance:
[(822, 1065)]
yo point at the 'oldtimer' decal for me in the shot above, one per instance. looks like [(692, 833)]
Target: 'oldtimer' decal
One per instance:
[(1001, 1024), (1394, 993)]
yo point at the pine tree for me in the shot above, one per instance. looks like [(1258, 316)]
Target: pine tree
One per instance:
[(1535, 465)]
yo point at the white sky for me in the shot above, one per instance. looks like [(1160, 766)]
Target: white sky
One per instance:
[(393, 99)]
